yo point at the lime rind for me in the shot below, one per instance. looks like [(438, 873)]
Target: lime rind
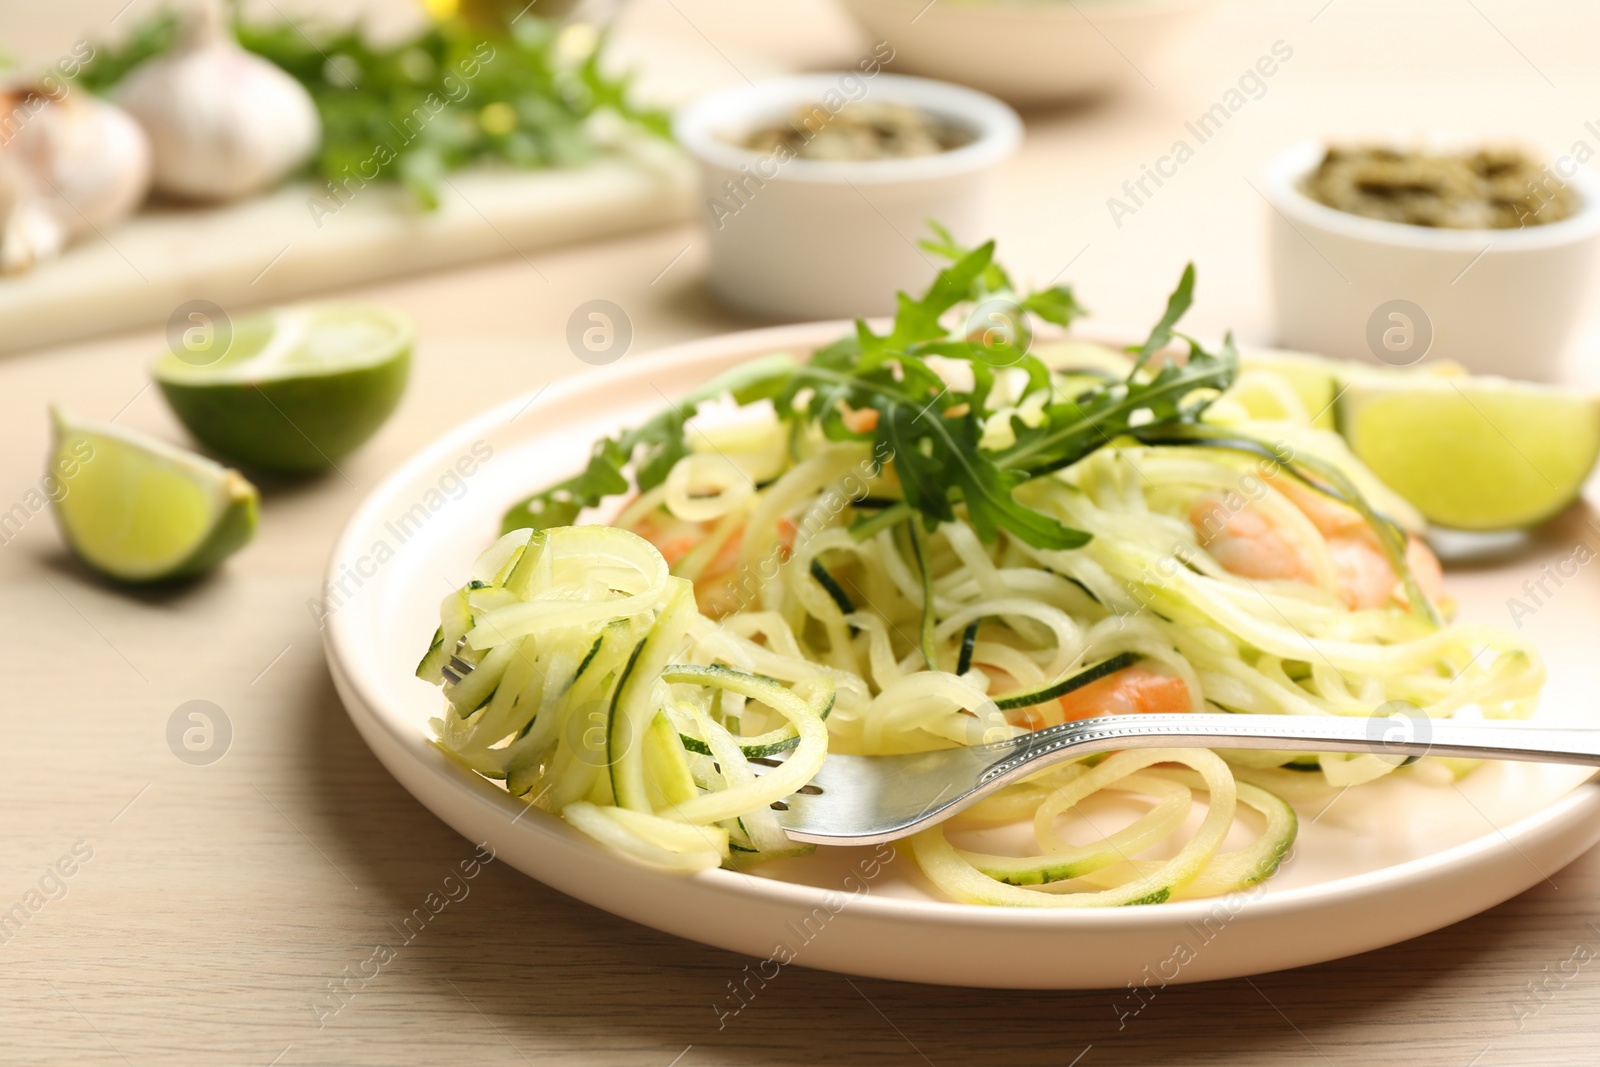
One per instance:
[(295, 342), (297, 394)]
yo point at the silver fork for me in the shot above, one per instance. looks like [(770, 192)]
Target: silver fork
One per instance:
[(861, 800)]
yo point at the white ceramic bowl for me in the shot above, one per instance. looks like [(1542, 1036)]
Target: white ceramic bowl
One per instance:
[(1029, 51), (1499, 301), (811, 239)]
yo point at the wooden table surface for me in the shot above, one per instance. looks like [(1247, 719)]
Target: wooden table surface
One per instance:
[(209, 908)]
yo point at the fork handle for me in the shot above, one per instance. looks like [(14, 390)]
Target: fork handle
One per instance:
[(1400, 735)]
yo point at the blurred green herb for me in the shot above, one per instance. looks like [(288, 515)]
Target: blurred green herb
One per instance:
[(111, 63), (413, 110)]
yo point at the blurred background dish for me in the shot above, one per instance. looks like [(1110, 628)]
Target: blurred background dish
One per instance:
[(798, 237), (292, 153), (1028, 52), (1499, 301)]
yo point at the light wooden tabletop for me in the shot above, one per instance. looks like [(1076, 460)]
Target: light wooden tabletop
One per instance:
[(208, 909)]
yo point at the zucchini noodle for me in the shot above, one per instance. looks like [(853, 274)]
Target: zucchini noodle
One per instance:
[(634, 677)]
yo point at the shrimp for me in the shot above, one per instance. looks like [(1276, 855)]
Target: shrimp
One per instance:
[(1250, 542), (672, 536), (1245, 542), (1136, 690), (859, 420), (715, 588)]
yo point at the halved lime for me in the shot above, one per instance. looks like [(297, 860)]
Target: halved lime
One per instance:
[(1067, 355), (1474, 453), (293, 389), (1315, 380), (141, 510)]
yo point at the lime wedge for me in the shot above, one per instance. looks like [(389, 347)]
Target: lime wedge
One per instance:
[(1315, 380), (1068, 355), (141, 510), (293, 389), (1474, 453)]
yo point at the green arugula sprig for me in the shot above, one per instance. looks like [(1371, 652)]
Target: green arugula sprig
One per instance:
[(932, 430), (650, 449), (1177, 394)]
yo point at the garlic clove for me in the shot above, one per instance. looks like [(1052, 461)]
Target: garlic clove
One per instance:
[(101, 161), (27, 231), (72, 164), (223, 123)]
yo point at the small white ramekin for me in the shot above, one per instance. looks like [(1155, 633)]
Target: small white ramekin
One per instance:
[(1498, 301), (810, 239)]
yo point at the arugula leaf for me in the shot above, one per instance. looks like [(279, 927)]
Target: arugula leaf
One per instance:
[(1056, 304), (934, 457), (605, 476), (944, 244), (1177, 304), (1074, 428), (932, 430), (918, 320), (650, 449)]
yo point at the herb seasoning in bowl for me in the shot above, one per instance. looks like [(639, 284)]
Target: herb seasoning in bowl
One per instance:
[(859, 132), (1485, 189), (1482, 255), (818, 186)]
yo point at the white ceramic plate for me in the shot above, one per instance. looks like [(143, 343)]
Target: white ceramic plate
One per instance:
[(1382, 863)]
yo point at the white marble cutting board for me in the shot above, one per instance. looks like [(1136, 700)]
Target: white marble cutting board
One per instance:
[(277, 247)]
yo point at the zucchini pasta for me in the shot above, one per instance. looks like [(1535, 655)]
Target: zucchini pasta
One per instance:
[(937, 537)]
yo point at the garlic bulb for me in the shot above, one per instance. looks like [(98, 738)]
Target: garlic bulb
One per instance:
[(71, 164), (223, 123)]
